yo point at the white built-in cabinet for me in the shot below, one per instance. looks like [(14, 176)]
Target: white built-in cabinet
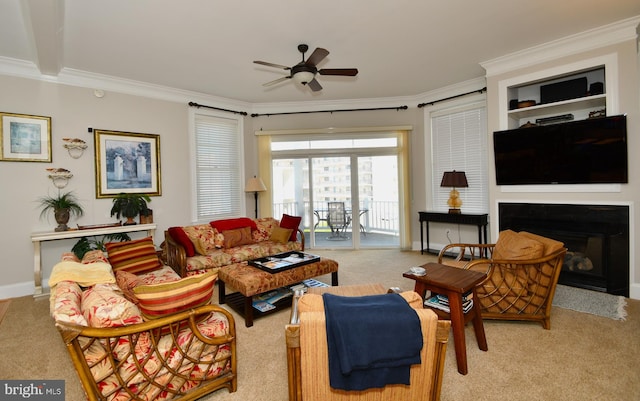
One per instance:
[(527, 87)]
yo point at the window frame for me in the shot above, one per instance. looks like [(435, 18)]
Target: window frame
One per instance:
[(237, 203)]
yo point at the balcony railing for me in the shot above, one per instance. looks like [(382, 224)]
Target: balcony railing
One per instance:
[(376, 216)]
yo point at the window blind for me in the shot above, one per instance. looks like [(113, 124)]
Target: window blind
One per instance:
[(218, 167), (459, 143)]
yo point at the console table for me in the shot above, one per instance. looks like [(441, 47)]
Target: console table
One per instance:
[(40, 237), (480, 220)]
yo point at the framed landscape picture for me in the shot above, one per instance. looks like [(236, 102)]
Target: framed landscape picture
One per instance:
[(25, 138), (127, 162)]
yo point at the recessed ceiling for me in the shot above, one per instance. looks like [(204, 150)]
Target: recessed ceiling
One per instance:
[(401, 47)]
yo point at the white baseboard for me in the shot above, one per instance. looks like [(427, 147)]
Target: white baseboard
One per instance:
[(17, 290), (634, 291)]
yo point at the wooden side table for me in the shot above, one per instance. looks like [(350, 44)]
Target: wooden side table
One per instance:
[(454, 283)]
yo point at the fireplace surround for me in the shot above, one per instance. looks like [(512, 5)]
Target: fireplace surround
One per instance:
[(596, 236)]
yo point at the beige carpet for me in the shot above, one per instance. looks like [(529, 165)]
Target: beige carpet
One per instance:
[(4, 306), (582, 357)]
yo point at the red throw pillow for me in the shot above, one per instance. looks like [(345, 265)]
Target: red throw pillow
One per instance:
[(178, 234), (232, 224), (292, 223)]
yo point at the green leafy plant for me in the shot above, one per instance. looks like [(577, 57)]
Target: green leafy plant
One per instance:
[(129, 206), (86, 244), (63, 206)]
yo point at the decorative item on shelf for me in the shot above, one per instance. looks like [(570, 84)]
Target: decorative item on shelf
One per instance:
[(255, 185), (554, 119), (526, 103), (598, 113), (75, 146), (146, 216), (59, 176), (63, 207), (129, 205), (454, 179), (528, 124)]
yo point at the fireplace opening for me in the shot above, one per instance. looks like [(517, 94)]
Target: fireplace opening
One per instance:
[(596, 237)]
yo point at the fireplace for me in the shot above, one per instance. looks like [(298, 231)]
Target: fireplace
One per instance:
[(596, 236)]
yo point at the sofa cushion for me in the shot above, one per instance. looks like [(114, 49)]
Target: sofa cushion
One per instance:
[(291, 222), (203, 237), (550, 245), (137, 256), (281, 235), (213, 260), (230, 224), (158, 300), (314, 302), (178, 234), (102, 306), (237, 237)]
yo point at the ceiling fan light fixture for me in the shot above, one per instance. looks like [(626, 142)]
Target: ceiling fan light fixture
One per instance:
[(303, 77)]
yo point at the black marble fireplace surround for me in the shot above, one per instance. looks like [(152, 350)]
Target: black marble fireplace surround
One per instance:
[(596, 236)]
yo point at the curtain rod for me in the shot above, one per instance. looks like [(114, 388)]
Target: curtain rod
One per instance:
[(192, 104), (452, 97), (330, 111)]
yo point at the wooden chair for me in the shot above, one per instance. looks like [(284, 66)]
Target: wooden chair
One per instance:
[(307, 358), (522, 273)]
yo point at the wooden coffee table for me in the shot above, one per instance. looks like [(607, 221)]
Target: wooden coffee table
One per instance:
[(454, 283), (249, 281)]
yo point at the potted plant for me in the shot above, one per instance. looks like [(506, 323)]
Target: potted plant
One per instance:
[(85, 244), (63, 206), (129, 206)]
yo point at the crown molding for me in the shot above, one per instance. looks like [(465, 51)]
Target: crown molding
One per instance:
[(607, 35)]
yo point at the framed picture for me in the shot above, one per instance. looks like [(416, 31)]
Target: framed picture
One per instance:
[(25, 138), (126, 162)]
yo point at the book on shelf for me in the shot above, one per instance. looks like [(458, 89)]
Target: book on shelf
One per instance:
[(442, 303)]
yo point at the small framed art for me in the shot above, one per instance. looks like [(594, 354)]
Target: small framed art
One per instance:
[(25, 138)]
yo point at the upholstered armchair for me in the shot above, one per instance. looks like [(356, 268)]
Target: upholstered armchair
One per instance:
[(307, 356), (522, 273)]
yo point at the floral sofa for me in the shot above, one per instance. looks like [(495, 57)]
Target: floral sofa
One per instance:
[(208, 247), (136, 330)]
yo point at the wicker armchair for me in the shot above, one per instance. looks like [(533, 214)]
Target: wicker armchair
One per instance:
[(522, 272), (307, 357)]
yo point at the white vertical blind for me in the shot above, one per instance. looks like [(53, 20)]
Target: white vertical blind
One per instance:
[(459, 142), (218, 167)]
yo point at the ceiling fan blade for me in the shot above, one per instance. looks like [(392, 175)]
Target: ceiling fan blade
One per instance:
[(314, 85), (348, 72), (317, 56), (276, 81), (284, 67)]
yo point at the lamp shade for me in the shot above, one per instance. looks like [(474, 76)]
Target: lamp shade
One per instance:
[(255, 184), (454, 179)]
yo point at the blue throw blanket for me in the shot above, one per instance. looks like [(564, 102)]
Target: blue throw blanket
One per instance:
[(372, 340)]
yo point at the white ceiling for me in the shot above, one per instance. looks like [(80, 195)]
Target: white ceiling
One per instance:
[(401, 47)]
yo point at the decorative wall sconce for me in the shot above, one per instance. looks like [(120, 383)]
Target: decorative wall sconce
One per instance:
[(59, 176), (75, 147)]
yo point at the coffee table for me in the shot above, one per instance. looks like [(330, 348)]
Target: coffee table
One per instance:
[(454, 283), (249, 281)]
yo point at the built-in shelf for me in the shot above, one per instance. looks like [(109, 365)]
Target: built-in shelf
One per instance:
[(563, 107)]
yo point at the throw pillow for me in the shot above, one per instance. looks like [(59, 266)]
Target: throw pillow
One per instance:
[(203, 237), (231, 224), (281, 235), (158, 300), (127, 282), (291, 222), (103, 307), (137, 256), (515, 246), (94, 256), (178, 234), (237, 237)]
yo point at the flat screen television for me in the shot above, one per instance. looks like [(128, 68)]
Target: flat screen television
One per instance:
[(592, 151)]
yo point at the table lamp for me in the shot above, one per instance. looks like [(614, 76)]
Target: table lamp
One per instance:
[(454, 179), (255, 185)]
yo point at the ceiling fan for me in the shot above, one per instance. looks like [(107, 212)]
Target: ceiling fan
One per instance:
[(305, 71)]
